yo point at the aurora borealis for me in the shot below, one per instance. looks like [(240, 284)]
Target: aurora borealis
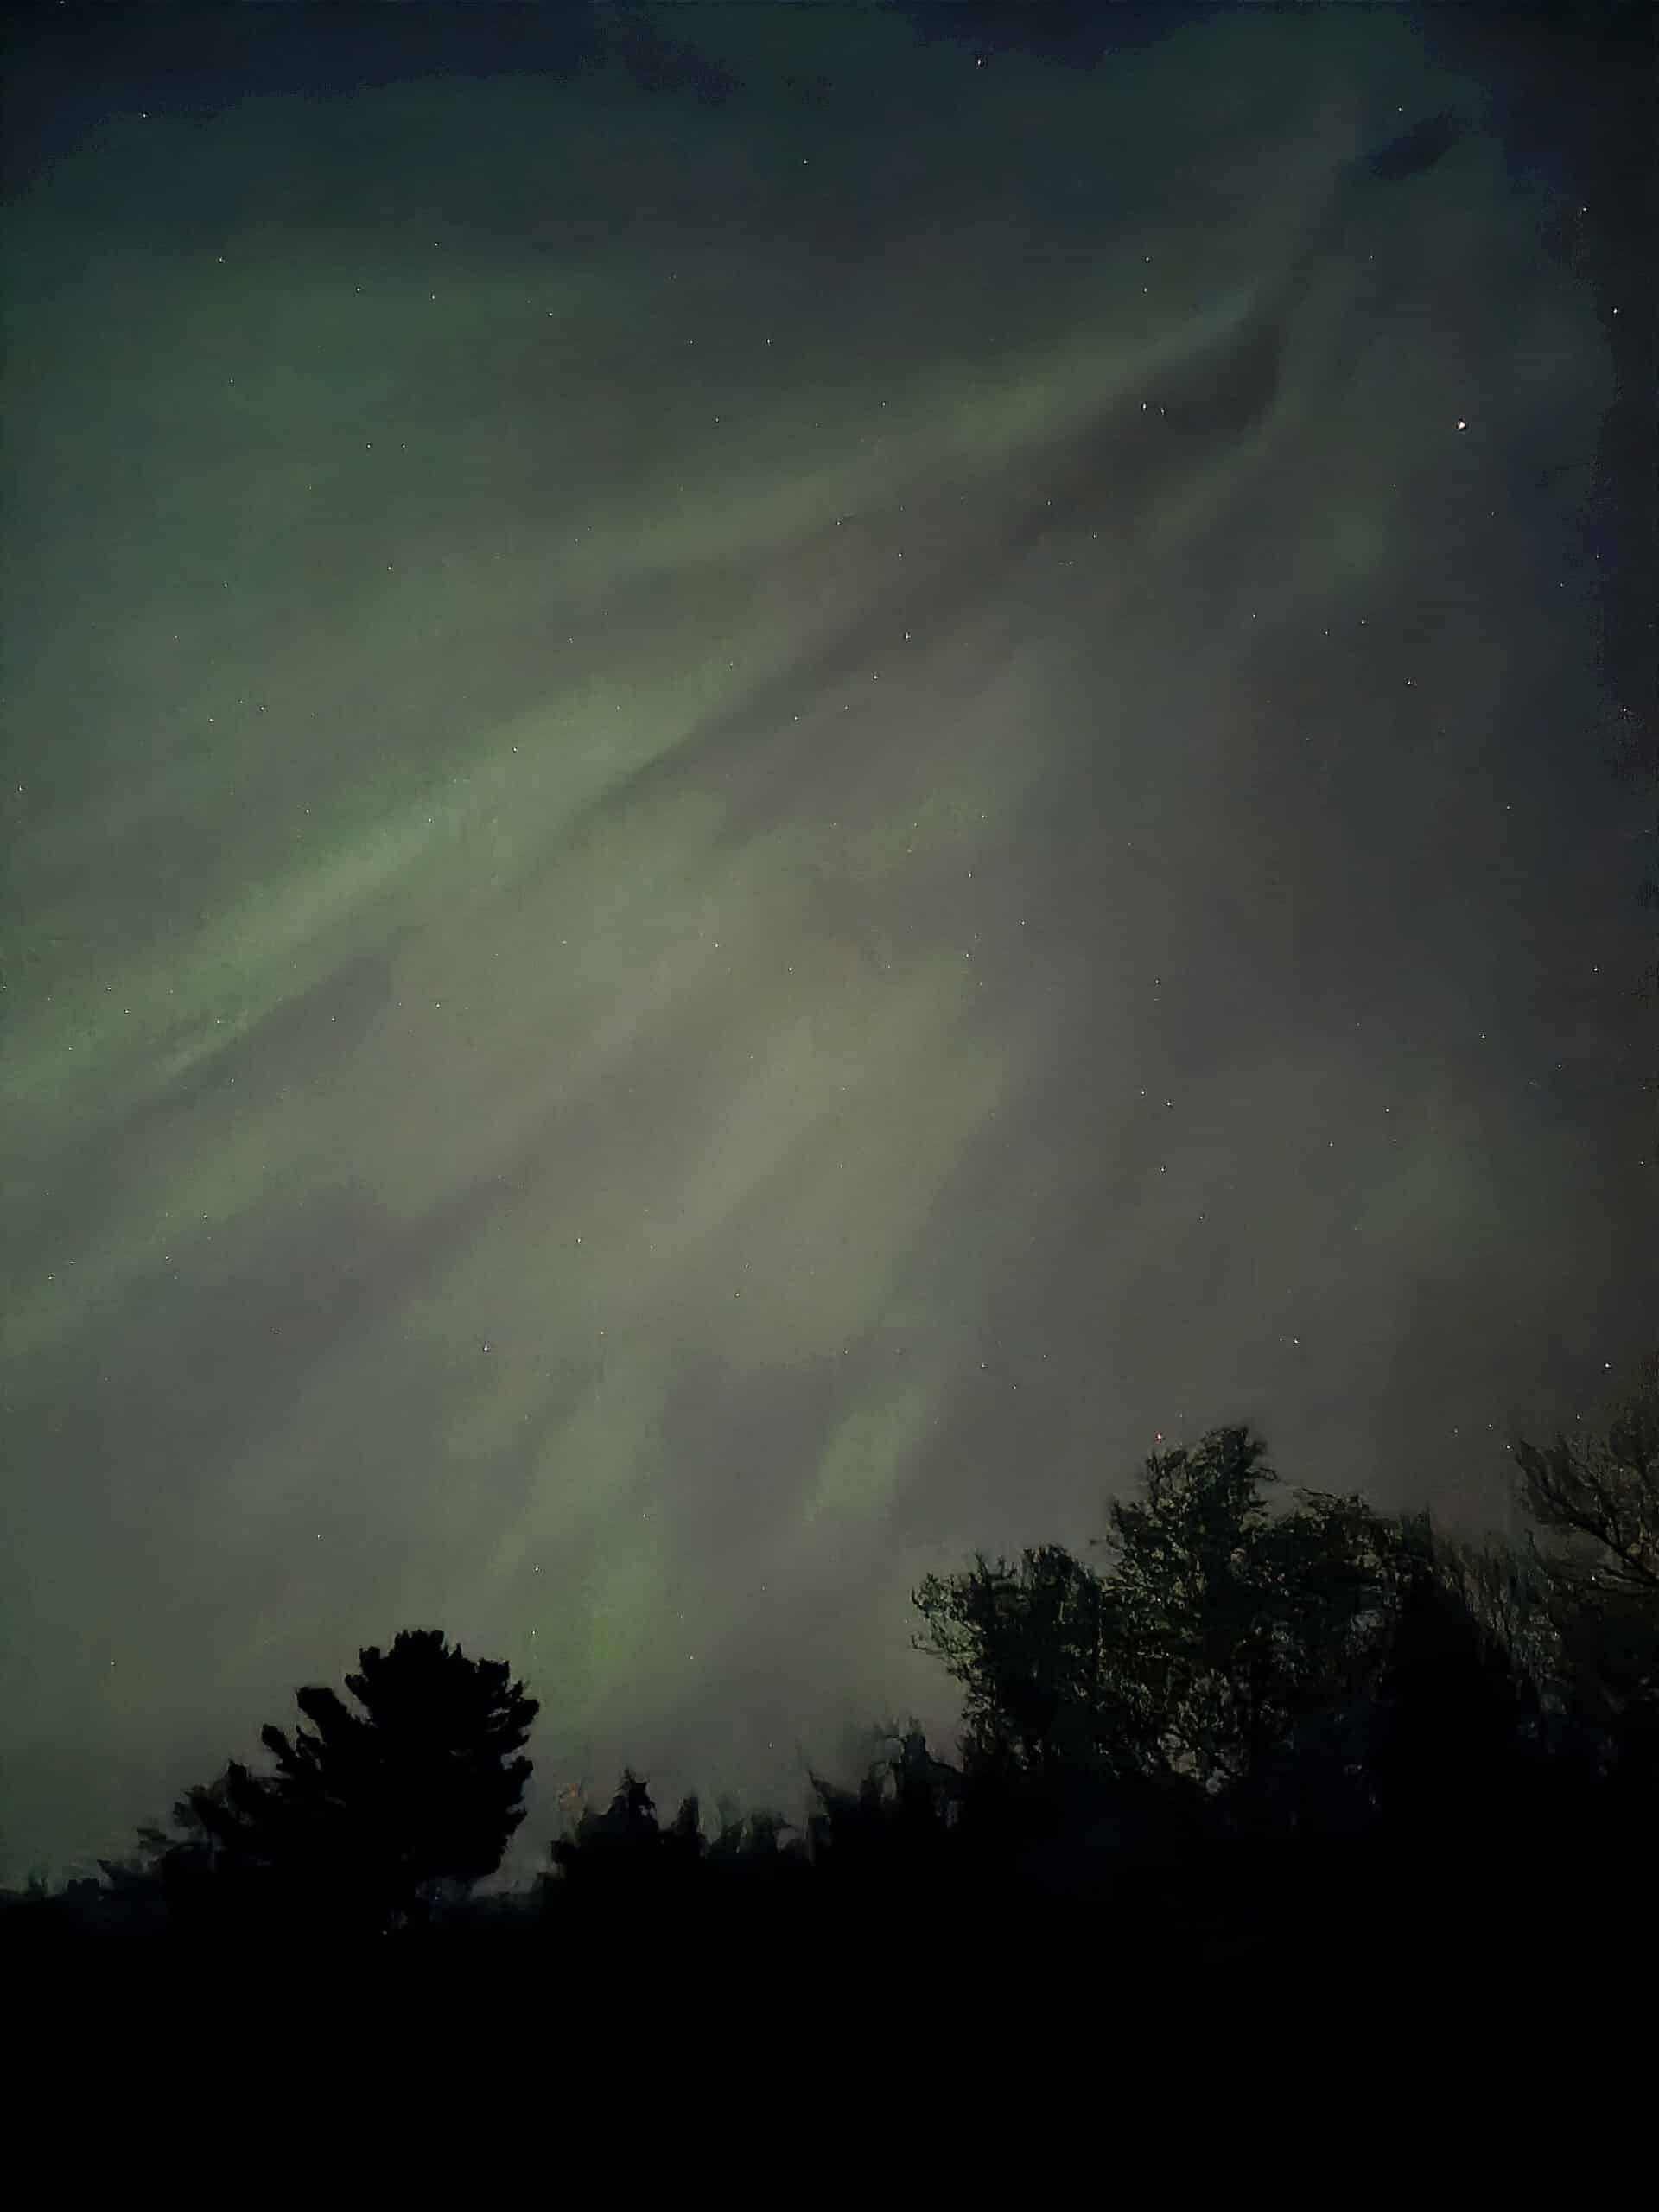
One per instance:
[(769, 774)]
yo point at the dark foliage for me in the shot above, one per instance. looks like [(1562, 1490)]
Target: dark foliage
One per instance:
[(371, 1820), (1258, 1733)]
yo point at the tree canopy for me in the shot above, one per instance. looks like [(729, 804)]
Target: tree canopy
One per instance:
[(1216, 1628), (1595, 1498), (369, 1813), (1245, 1711)]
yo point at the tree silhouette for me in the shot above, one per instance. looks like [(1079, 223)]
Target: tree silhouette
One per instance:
[(1598, 1495), (1250, 1720), (1030, 1646), (1452, 1699), (1249, 1724), (1216, 1632), (895, 1823), (367, 1820), (1237, 1624), (619, 1842), (1601, 1495)]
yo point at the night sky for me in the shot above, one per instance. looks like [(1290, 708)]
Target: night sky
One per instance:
[(770, 775)]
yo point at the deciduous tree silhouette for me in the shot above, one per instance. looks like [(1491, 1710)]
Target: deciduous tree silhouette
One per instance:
[(1031, 1646), (1215, 1631), (1598, 1496)]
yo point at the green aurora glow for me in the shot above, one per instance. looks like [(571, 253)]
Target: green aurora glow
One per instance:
[(739, 831)]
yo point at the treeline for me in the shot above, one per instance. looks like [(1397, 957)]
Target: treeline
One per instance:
[(1255, 1728)]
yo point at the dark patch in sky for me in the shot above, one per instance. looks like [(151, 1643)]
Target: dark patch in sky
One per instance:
[(1413, 152)]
